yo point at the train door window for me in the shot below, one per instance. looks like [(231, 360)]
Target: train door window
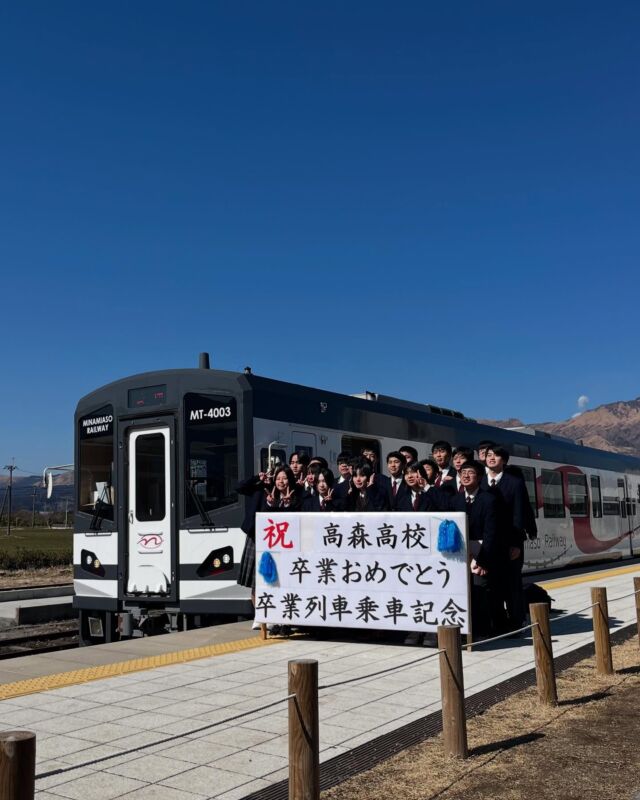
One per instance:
[(552, 495), (596, 497), (355, 445), (621, 496), (95, 454), (278, 457), (150, 477), (578, 495), (211, 453), (529, 475)]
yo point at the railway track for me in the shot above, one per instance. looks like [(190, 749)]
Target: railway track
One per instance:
[(35, 639)]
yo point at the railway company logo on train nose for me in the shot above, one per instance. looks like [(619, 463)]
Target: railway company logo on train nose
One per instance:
[(151, 542)]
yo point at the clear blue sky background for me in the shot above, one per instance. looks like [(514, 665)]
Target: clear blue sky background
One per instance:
[(434, 200)]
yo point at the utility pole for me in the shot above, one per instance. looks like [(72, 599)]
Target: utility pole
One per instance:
[(33, 508), (11, 468), (66, 512)]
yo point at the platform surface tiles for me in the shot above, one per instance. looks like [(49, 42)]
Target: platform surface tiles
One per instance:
[(152, 732)]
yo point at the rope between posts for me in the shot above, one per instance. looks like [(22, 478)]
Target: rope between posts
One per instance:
[(573, 613), (624, 596), (173, 738), (501, 636), (381, 672)]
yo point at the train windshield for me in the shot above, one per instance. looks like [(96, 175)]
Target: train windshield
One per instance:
[(211, 451), (95, 484)]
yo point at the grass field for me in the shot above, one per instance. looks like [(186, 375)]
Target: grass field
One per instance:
[(42, 540)]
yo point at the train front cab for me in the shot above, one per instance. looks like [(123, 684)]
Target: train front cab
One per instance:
[(157, 541)]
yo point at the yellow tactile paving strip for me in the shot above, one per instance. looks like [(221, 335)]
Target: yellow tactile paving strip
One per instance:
[(588, 577), (76, 676)]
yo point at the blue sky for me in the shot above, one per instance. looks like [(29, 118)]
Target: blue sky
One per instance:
[(436, 201)]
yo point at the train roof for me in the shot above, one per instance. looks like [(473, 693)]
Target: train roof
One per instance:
[(291, 402)]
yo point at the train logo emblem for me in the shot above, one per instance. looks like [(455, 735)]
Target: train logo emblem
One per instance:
[(151, 543)]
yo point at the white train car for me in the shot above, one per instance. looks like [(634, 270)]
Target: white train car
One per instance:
[(157, 539)]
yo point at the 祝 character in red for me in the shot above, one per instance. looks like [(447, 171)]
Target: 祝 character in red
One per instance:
[(274, 535)]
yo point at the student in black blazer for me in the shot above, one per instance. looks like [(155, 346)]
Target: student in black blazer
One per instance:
[(394, 484), (441, 454), (364, 496), (284, 495), (322, 498), (511, 490), (416, 497), (490, 546)]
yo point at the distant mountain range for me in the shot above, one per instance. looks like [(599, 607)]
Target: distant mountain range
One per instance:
[(23, 487), (613, 426)]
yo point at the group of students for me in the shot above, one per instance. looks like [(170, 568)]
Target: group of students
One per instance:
[(491, 492)]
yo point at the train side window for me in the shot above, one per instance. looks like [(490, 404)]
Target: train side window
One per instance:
[(303, 450), (520, 450), (622, 496), (578, 495), (355, 445), (552, 494), (596, 497), (610, 506), (529, 475), (279, 457)]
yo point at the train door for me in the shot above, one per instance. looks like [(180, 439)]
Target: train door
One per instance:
[(150, 567), (632, 495), (625, 519)]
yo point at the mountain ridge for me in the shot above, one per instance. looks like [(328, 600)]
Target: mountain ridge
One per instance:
[(611, 426)]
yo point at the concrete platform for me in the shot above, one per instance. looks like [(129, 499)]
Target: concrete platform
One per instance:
[(90, 734), (32, 612)]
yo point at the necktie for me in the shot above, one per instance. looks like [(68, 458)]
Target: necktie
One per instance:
[(461, 489), (322, 505), (416, 502), (469, 502), (439, 479), (493, 481), (395, 488)]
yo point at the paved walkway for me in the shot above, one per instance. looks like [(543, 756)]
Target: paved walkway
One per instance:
[(163, 707)]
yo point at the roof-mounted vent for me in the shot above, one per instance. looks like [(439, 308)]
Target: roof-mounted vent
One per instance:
[(203, 361)]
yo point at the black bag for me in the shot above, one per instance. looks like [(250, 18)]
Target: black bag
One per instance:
[(536, 594)]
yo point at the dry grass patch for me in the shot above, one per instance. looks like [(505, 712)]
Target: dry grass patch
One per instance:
[(585, 748)]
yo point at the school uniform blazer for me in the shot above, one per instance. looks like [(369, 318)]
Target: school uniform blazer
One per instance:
[(388, 486), (340, 492), (482, 520), (294, 505), (448, 473), (531, 526), (376, 500), (512, 492), (311, 502), (432, 500)]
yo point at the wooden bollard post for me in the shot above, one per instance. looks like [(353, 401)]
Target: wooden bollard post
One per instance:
[(543, 650), (604, 663), (454, 723), (17, 765), (304, 735), (636, 589)]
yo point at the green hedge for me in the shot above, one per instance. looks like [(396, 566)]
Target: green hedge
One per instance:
[(34, 559)]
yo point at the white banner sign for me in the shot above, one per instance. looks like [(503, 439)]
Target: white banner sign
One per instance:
[(361, 570)]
